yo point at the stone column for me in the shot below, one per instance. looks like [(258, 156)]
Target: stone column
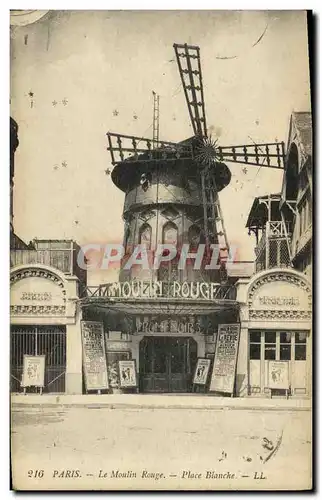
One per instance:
[(74, 375), (242, 363)]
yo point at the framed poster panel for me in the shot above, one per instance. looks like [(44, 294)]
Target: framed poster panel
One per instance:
[(278, 375), (127, 372), (201, 372), (33, 373), (224, 367), (113, 357), (94, 357)]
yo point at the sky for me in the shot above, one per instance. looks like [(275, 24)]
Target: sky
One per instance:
[(71, 70)]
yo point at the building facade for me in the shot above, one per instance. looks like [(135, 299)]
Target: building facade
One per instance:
[(164, 318), (45, 285), (167, 318), (276, 304)]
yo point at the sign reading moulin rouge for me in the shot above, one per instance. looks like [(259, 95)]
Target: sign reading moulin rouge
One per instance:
[(155, 289), (224, 369)]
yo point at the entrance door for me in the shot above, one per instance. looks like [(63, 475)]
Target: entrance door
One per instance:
[(167, 364)]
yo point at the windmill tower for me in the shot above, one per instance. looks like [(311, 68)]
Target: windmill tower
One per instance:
[(171, 190)]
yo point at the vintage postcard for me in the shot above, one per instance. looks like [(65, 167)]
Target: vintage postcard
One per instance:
[(160, 250)]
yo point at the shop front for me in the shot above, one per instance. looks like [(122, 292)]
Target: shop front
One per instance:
[(163, 336), (275, 309), (167, 348), (45, 340)]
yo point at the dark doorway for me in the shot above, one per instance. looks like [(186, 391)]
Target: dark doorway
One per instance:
[(167, 364)]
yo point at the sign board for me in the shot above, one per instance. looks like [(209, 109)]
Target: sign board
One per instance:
[(35, 290), (154, 289), (33, 374), (127, 372), (94, 358), (278, 375), (201, 372), (175, 324), (280, 292), (224, 368)]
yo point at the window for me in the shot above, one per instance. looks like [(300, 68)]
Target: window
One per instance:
[(305, 215), (127, 233), (270, 345), (145, 236), (300, 346), (170, 234), (309, 210), (194, 236), (280, 345), (285, 346), (255, 345), (168, 270)]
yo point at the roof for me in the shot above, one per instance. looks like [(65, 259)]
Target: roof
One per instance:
[(126, 174), (302, 121), (258, 213)]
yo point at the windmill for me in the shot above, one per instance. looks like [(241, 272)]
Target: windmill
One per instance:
[(200, 153)]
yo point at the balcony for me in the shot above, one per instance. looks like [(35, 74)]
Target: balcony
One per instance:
[(272, 249), (60, 259), (61, 255)]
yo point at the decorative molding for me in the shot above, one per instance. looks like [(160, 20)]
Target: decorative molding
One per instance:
[(37, 273), (278, 277), (279, 314), (38, 310), (147, 215), (170, 213)]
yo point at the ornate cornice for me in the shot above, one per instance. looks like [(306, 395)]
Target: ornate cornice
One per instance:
[(38, 310), (279, 314), (278, 277), (37, 273)]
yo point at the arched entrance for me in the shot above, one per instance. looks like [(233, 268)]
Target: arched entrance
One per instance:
[(167, 363)]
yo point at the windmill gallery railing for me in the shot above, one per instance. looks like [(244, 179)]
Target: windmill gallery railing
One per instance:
[(154, 290)]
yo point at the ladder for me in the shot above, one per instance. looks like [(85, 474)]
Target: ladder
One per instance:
[(214, 226), (156, 119)]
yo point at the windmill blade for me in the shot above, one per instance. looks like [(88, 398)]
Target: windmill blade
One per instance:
[(263, 155), (139, 149), (188, 59)]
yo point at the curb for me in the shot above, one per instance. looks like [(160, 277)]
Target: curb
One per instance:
[(150, 402), (125, 406)]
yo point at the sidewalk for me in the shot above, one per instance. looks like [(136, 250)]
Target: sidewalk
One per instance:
[(151, 401)]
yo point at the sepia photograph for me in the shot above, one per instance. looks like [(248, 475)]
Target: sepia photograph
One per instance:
[(161, 212)]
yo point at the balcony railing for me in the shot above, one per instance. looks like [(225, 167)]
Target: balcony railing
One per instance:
[(60, 259), (273, 229), (273, 248)]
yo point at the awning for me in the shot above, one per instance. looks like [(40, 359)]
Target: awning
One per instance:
[(160, 306)]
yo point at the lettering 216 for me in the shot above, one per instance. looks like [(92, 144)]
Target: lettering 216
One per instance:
[(64, 473)]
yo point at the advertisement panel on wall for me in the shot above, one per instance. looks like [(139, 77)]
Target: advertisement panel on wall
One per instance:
[(224, 368)]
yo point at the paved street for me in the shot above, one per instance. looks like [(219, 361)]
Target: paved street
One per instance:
[(104, 448)]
